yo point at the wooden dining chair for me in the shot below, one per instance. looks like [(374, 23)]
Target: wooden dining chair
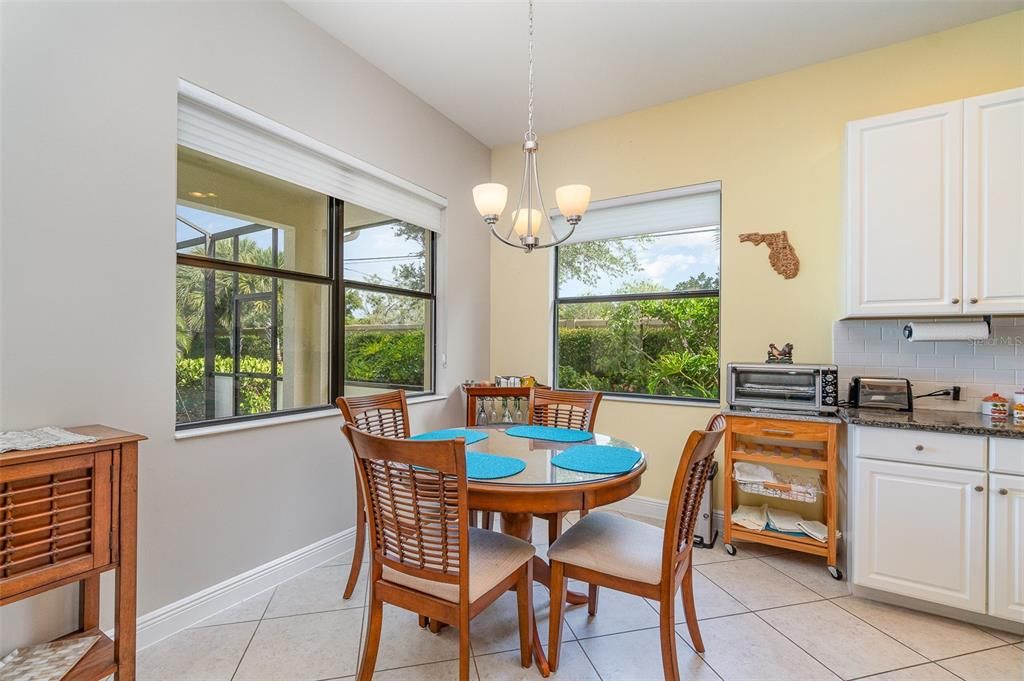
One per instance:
[(609, 550), (383, 414), (424, 555)]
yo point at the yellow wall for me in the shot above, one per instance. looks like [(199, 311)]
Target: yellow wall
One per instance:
[(776, 146)]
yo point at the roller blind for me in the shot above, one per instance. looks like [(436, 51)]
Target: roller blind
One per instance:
[(682, 209), (219, 127)]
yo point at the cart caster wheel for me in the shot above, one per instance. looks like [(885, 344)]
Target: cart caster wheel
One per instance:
[(835, 572), (730, 549)]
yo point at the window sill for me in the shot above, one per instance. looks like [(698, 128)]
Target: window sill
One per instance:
[(326, 412), (663, 401)]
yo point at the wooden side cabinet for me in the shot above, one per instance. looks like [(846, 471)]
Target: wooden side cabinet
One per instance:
[(68, 514)]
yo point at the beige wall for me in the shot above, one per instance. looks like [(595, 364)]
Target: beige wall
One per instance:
[(775, 144), (89, 125)]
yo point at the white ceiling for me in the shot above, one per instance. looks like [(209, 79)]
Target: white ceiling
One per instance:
[(599, 59)]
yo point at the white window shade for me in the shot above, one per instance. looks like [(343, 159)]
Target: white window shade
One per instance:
[(686, 208), (216, 126)]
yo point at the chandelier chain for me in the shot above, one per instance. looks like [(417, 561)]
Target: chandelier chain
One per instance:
[(530, 135)]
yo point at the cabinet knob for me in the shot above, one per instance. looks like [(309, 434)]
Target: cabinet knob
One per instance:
[(979, 488), (974, 301), (956, 301), (919, 448), (1004, 491)]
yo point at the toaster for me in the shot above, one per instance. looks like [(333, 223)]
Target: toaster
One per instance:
[(867, 392)]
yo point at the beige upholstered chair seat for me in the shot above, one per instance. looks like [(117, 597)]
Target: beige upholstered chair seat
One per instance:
[(612, 545), (492, 558)]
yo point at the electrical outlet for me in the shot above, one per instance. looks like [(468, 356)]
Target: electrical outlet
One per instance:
[(951, 393)]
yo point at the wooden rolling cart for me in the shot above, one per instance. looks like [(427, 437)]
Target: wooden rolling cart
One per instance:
[(809, 446), (68, 514)]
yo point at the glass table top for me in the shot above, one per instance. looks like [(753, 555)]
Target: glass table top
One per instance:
[(537, 456)]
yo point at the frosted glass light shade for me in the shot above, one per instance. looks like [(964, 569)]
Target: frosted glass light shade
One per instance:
[(573, 199), (490, 198), (522, 224)]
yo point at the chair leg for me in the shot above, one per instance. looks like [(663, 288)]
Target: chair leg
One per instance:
[(357, 552), (369, 660), (555, 527), (488, 520), (524, 599), (557, 619), (667, 630), (464, 643), (690, 609), (592, 599)]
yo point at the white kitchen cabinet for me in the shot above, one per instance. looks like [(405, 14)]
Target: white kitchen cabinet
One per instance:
[(919, 531), (994, 203), (904, 213), (1006, 546), (934, 221)]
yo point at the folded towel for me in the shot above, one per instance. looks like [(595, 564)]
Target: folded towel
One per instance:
[(752, 472), (784, 521), (751, 517), (814, 530)]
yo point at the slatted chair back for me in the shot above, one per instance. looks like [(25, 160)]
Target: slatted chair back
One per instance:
[(563, 409), (383, 414), (416, 503), (687, 491), (716, 422)]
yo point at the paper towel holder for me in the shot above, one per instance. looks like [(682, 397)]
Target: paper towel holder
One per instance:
[(907, 329)]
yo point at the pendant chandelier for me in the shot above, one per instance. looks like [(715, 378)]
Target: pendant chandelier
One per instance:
[(530, 217)]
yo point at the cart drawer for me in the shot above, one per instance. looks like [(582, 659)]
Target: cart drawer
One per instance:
[(54, 520), (780, 429), (916, 446)]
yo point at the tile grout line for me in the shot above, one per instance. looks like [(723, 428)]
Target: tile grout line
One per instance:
[(253, 636), (798, 646)]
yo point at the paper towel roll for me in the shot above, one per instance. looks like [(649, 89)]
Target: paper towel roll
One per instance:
[(945, 331)]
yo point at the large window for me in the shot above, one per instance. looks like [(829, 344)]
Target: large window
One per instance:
[(287, 297), (638, 314)]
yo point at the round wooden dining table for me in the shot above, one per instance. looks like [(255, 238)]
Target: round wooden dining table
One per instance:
[(545, 489)]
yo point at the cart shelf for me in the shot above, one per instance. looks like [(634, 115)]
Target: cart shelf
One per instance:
[(799, 457)]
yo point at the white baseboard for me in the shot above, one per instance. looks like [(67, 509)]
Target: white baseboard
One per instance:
[(647, 507), (174, 617)]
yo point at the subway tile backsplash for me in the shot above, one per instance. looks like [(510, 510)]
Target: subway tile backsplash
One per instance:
[(876, 347)]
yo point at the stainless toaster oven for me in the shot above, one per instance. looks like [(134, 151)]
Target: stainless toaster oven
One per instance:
[(784, 387)]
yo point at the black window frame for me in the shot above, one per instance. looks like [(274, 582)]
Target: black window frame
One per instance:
[(635, 297), (338, 285)]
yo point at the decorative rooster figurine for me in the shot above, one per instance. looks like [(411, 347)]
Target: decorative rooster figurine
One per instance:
[(781, 254)]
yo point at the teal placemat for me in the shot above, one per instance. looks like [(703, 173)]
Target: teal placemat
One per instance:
[(550, 434), (597, 459), (452, 433), (480, 466)]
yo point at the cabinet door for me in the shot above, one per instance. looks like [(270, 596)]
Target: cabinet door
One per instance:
[(920, 531), (904, 213), (1006, 547), (994, 203)]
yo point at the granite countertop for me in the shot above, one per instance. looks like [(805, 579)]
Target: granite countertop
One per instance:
[(786, 415), (935, 420)]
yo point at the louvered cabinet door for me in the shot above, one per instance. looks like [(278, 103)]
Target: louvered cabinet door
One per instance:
[(55, 520)]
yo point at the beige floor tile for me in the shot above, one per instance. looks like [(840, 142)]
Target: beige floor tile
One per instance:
[(344, 558), (744, 551), (1004, 635), (848, 646), (811, 572), (205, 654), (745, 648), (574, 666), (249, 610), (404, 644), (757, 585), (922, 672), (657, 522), (496, 629), (710, 599), (437, 671), (932, 636), (637, 655), (1000, 664), (317, 646), (316, 590), (617, 612)]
